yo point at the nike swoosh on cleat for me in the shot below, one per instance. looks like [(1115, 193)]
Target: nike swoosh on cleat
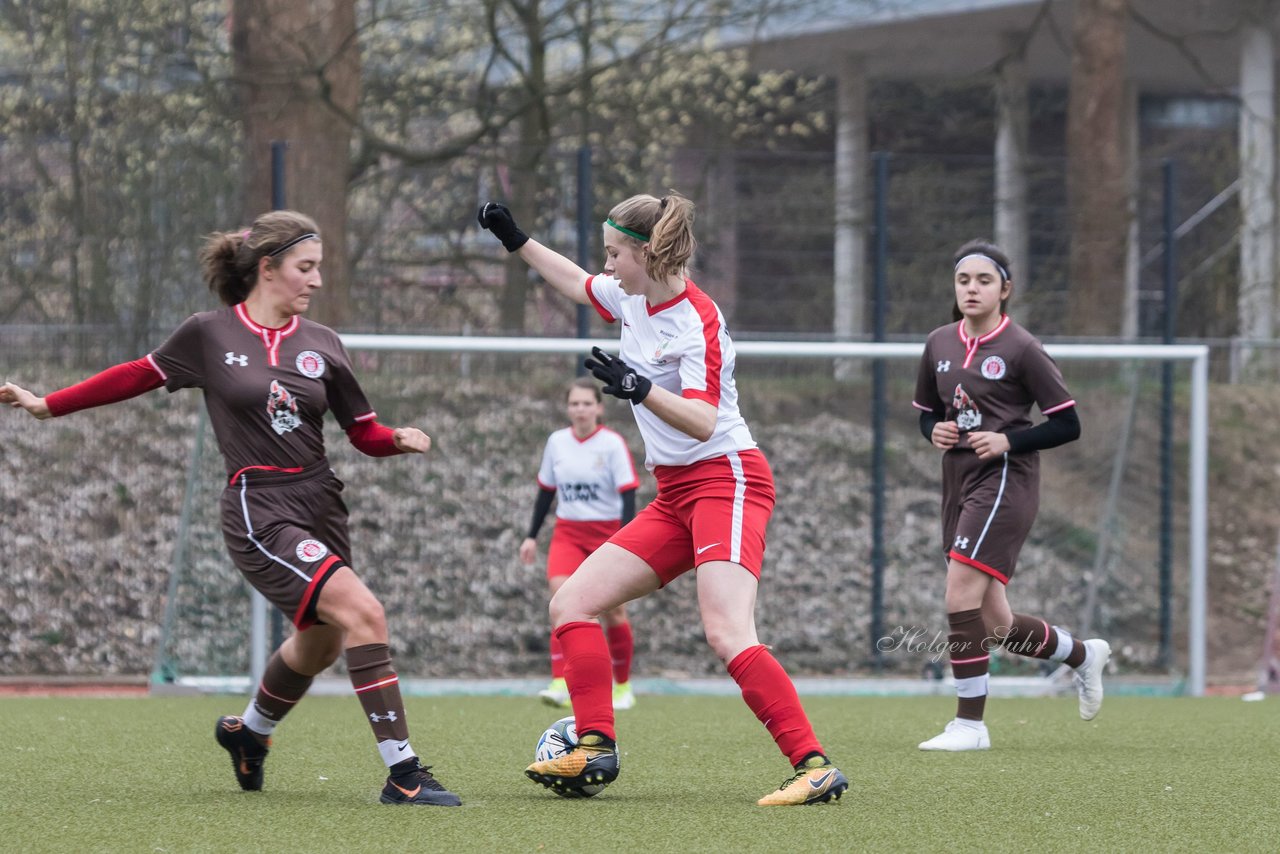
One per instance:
[(704, 548), (401, 747), (819, 782), (406, 792)]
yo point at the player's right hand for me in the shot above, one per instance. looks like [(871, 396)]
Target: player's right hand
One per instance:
[(528, 551), (19, 398), (498, 219), (946, 434)]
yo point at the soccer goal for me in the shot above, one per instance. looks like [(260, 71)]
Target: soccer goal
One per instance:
[(854, 544)]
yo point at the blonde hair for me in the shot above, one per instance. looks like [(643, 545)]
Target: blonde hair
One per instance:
[(669, 224), (229, 259)]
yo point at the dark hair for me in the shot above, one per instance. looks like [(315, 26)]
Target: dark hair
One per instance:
[(587, 383), (229, 259), (669, 224), (981, 246)]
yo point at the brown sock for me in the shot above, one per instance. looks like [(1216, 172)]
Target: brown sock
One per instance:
[(281, 689), (378, 689), (1034, 638), (970, 661)]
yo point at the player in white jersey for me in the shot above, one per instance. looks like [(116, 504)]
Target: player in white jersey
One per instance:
[(715, 490), (587, 470)]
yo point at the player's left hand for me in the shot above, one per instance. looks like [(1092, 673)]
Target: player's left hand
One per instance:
[(620, 379), (411, 440), (988, 445)]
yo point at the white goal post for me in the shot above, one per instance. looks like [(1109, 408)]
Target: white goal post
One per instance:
[(1197, 430)]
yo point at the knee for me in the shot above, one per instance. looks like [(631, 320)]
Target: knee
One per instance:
[(365, 616), (567, 608), (557, 611), (317, 660), (724, 641)]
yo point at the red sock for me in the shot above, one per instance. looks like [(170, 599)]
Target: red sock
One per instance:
[(770, 693), (621, 648), (589, 674), (557, 658)]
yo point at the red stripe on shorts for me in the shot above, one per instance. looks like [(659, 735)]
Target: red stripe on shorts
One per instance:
[(300, 616)]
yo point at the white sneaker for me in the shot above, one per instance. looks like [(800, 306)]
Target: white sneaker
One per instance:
[(1088, 677), (623, 696), (960, 734), (556, 694)]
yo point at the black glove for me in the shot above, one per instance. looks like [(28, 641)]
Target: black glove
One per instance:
[(497, 219), (620, 379)]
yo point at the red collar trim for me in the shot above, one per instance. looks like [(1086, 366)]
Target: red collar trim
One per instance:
[(689, 288), (586, 438), (971, 345), (270, 337), (284, 331)]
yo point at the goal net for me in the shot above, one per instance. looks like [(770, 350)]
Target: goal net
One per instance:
[(436, 537)]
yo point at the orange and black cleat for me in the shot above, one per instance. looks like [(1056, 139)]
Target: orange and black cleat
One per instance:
[(246, 751)]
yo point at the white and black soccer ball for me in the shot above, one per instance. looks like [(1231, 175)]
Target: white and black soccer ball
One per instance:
[(559, 739), (556, 741)]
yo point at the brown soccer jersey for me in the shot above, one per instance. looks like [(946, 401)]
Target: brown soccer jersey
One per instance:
[(990, 382), (266, 389)]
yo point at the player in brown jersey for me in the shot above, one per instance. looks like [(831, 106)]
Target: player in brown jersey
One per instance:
[(978, 380), (268, 376)]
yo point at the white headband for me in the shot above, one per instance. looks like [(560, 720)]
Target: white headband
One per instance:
[(1004, 274)]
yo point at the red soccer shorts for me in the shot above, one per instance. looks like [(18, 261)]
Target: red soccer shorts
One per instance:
[(715, 509), (572, 541)]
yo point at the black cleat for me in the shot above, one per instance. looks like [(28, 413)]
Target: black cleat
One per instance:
[(246, 751), (418, 787)]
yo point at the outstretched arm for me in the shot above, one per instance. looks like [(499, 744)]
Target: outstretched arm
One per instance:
[(113, 385), (558, 271)]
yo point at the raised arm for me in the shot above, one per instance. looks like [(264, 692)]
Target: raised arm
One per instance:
[(558, 271)]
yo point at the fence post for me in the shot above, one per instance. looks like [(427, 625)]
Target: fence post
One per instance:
[(881, 160), (1169, 169), (585, 203)]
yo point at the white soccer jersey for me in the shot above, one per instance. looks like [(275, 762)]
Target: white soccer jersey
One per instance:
[(587, 474), (682, 346)]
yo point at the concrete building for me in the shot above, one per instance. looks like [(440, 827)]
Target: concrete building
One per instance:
[(1189, 53)]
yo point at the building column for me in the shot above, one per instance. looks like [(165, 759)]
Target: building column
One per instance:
[(1257, 184), (1012, 121), (851, 168)]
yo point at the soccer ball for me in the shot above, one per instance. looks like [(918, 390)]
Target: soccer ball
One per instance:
[(556, 741), (559, 739)]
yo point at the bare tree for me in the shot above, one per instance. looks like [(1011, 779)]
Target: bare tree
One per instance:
[(1097, 188), (297, 63)]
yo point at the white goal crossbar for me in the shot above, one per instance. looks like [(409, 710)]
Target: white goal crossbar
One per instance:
[(1198, 428)]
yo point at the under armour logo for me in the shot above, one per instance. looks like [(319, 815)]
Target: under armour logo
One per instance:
[(944, 365), (961, 543), (375, 717), (233, 359)]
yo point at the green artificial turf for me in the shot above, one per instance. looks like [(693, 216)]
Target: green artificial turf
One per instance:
[(145, 775)]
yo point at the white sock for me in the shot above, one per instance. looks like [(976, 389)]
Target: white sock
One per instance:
[(394, 752), (258, 723)]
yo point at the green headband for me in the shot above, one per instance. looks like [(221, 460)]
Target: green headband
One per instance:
[(643, 238)]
